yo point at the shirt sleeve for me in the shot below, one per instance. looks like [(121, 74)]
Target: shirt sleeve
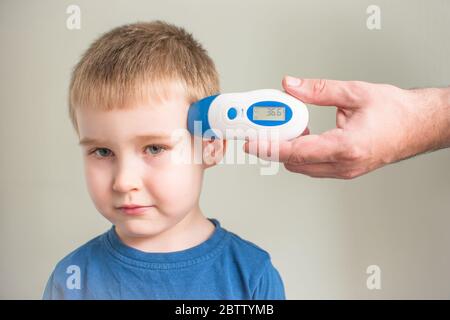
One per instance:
[(270, 286)]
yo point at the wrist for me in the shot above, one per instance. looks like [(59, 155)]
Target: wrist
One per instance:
[(430, 129), (439, 103), (445, 97)]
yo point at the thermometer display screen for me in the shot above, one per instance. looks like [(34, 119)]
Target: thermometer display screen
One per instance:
[(269, 113)]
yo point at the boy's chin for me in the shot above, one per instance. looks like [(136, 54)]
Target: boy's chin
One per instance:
[(140, 229)]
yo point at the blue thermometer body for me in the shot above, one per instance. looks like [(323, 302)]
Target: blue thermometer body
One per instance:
[(247, 114)]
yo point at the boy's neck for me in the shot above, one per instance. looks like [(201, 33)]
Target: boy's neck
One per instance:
[(189, 232)]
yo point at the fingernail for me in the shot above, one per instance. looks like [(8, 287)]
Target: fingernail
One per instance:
[(293, 82)]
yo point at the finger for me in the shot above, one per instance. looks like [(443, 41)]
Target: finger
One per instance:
[(266, 149), (304, 133), (343, 94), (316, 170), (269, 150), (327, 147)]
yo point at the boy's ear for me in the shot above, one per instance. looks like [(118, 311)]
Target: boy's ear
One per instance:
[(213, 151)]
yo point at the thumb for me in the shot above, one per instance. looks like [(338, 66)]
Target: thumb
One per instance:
[(343, 94), (326, 147), (279, 151), (269, 150)]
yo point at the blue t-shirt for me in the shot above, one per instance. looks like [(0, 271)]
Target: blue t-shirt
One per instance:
[(223, 267)]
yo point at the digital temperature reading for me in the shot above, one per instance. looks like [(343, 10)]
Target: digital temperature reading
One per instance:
[(269, 113)]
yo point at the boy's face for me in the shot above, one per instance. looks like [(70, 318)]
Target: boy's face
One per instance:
[(132, 164)]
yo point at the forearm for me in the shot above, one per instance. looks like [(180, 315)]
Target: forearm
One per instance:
[(429, 129)]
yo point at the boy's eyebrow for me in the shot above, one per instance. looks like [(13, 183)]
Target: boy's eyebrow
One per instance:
[(89, 141)]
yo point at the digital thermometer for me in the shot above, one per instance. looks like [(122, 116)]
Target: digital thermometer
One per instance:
[(244, 114)]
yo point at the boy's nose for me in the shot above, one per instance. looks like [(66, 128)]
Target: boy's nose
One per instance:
[(127, 178)]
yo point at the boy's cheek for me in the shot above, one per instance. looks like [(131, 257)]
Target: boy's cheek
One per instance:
[(99, 188), (95, 177), (180, 185)]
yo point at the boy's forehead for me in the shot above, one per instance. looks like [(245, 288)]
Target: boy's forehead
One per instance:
[(159, 119)]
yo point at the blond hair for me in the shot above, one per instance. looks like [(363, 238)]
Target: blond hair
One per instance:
[(134, 62)]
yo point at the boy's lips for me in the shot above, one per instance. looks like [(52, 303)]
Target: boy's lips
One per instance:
[(130, 206), (133, 208)]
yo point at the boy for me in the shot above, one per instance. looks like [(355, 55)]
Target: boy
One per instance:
[(128, 94)]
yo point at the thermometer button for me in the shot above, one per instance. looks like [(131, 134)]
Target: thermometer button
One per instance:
[(232, 113)]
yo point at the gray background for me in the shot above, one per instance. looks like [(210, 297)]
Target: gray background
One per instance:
[(322, 233)]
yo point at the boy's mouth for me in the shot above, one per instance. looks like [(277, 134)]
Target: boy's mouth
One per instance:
[(133, 208), (130, 206)]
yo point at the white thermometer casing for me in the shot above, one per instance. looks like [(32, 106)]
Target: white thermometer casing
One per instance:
[(244, 114)]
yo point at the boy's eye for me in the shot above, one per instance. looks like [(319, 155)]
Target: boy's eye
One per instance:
[(102, 152), (155, 149)]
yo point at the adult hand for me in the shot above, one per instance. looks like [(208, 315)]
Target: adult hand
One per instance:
[(376, 124)]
